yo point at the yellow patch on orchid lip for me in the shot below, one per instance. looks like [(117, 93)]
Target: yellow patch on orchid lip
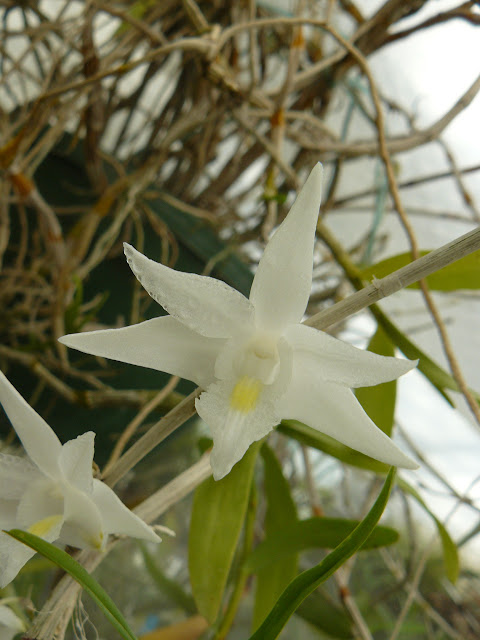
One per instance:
[(44, 526), (245, 394)]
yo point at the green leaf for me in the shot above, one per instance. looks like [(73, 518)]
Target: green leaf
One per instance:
[(312, 533), (319, 610), (379, 401), (313, 438), (462, 274), (439, 378), (218, 513), (450, 550), (281, 512), (136, 10), (80, 574), (166, 585), (307, 581)]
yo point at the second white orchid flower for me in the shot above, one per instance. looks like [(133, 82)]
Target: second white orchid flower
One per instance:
[(53, 494), (257, 363)]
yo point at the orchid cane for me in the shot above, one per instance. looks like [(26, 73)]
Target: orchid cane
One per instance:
[(255, 360), (54, 494)]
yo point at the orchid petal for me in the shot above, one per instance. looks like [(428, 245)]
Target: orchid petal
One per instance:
[(340, 362), (10, 620), (75, 461), (283, 280), (117, 518), (206, 305), (38, 439), (41, 500), (8, 513), (163, 344), (334, 410), (234, 430), (14, 554), (16, 474), (83, 522)]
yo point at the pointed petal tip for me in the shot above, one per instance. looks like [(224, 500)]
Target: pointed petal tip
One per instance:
[(155, 538), (219, 471), (390, 453), (149, 535), (394, 457), (71, 341), (128, 249), (317, 171), (131, 254), (136, 259), (315, 179), (313, 185), (404, 366)]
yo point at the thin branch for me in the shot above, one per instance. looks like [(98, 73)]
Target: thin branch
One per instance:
[(413, 272), (156, 434)]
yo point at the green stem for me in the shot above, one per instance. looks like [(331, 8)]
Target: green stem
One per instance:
[(243, 573)]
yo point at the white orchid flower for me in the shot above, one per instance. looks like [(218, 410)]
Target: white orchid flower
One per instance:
[(54, 494), (255, 360)]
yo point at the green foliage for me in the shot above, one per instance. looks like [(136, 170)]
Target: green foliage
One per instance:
[(166, 585), (379, 401), (218, 514), (439, 377), (449, 548), (462, 274), (281, 512), (81, 575), (313, 438), (279, 197), (319, 610), (318, 532), (307, 581)]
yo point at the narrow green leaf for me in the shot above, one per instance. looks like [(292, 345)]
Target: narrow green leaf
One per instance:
[(313, 438), (218, 514), (462, 274), (439, 378), (307, 581), (80, 574), (320, 611), (166, 585), (281, 511), (313, 533), (379, 401), (450, 550)]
